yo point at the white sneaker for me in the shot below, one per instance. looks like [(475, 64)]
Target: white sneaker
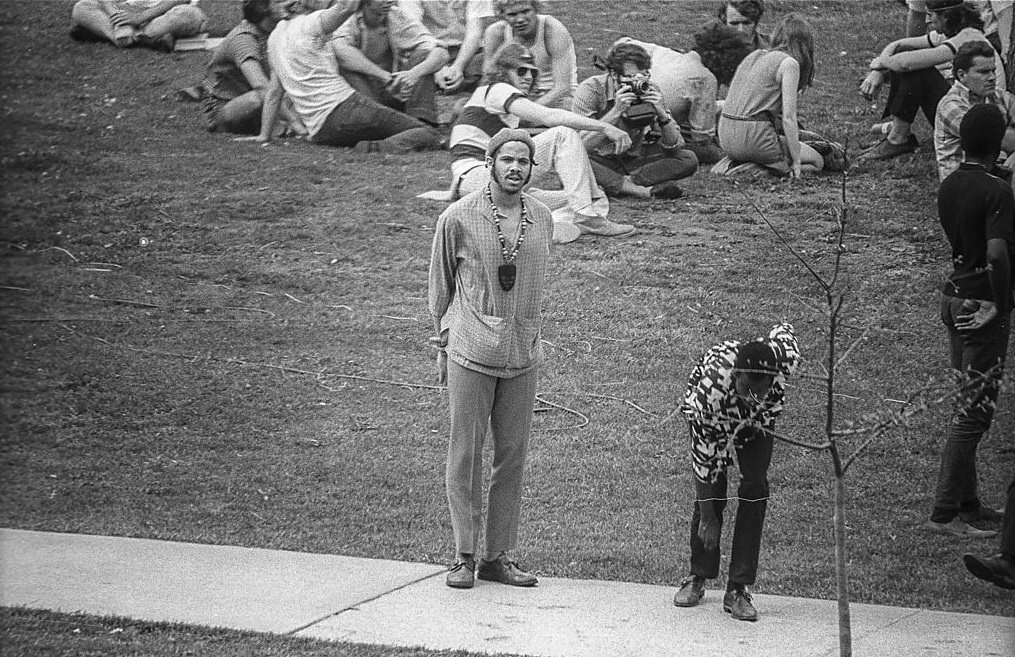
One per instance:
[(565, 232)]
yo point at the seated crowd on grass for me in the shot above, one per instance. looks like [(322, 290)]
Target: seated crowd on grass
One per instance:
[(369, 75)]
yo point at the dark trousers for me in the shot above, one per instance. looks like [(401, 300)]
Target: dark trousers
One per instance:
[(753, 459), (914, 91), (653, 165), (360, 119), (1008, 528), (980, 356), (421, 104)]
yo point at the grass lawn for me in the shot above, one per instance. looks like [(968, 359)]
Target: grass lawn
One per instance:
[(206, 340)]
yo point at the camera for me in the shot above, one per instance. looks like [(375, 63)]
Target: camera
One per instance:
[(640, 85)]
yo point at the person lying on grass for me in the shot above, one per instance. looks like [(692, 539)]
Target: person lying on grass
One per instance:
[(733, 397)]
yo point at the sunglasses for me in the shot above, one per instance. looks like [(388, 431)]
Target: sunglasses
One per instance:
[(524, 71)]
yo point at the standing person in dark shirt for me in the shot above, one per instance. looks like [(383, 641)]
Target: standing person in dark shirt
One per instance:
[(976, 211)]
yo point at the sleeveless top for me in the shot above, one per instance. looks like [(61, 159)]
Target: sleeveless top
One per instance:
[(755, 90), (542, 57)]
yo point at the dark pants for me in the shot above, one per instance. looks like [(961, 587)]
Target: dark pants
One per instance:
[(653, 165), (980, 356), (914, 91), (753, 460), (360, 119), (421, 104)]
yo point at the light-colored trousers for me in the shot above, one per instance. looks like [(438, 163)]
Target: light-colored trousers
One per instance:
[(181, 21), (561, 161), (479, 401)]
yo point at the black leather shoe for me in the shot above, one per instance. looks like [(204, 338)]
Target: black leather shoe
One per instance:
[(738, 603), (998, 569), (504, 570), (691, 591)]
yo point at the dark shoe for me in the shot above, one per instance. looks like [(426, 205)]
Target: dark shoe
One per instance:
[(461, 575), (998, 569), (983, 514), (83, 35), (669, 189), (832, 153), (886, 150), (164, 43), (738, 603), (692, 590), (957, 527), (505, 571)]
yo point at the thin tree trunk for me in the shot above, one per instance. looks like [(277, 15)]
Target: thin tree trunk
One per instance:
[(841, 581)]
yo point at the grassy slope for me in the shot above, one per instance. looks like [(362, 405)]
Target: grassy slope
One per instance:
[(314, 259)]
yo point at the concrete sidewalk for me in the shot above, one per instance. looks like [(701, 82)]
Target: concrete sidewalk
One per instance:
[(407, 604)]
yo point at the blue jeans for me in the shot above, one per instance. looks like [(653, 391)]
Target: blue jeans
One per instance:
[(753, 459), (653, 165), (979, 355), (360, 119)]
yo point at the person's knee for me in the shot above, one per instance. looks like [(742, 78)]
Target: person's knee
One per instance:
[(187, 20)]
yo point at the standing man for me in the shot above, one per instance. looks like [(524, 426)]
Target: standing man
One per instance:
[(391, 57), (548, 41), (459, 24), (733, 398), (627, 97), (977, 212), (975, 82), (304, 67), (487, 271)]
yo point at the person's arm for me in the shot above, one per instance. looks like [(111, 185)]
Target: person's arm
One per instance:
[(253, 73), (788, 74), (333, 17), (493, 38), (999, 272), (551, 117), (269, 109), (450, 77), (563, 61), (352, 59), (590, 99), (441, 289), (129, 18), (919, 59), (671, 137)]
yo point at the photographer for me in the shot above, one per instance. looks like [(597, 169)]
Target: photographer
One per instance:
[(626, 97)]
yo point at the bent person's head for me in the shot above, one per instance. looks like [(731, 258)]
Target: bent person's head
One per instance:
[(721, 49), (795, 36), (754, 372), (981, 132), (949, 17)]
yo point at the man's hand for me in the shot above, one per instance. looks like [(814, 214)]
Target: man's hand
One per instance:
[(708, 533), (654, 97), (983, 315), (871, 85), (624, 99), (449, 78), (621, 140), (122, 18), (402, 84)]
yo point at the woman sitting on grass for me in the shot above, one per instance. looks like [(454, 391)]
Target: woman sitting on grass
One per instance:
[(758, 125)]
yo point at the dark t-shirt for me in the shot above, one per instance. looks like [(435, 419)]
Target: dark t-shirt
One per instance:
[(974, 207), (224, 79)]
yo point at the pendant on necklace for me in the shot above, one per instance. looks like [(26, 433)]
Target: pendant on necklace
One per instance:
[(506, 275)]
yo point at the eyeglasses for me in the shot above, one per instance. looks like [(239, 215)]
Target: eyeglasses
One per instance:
[(525, 71)]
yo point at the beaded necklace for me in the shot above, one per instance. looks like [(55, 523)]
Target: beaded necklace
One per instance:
[(507, 272)]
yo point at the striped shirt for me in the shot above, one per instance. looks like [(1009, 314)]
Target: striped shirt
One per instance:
[(718, 424), (224, 79), (307, 68), (489, 330), (487, 111)]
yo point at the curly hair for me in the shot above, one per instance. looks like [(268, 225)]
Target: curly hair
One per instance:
[(752, 10), (627, 52), (721, 49), (499, 5), (795, 37)]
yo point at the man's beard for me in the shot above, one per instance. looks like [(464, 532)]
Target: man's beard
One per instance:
[(500, 183)]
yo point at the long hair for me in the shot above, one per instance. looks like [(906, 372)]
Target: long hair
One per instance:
[(254, 11), (794, 36), (752, 10), (959, 18), (509, 57)]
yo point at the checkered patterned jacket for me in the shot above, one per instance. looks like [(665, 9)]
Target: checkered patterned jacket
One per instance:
[(717, 422)]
